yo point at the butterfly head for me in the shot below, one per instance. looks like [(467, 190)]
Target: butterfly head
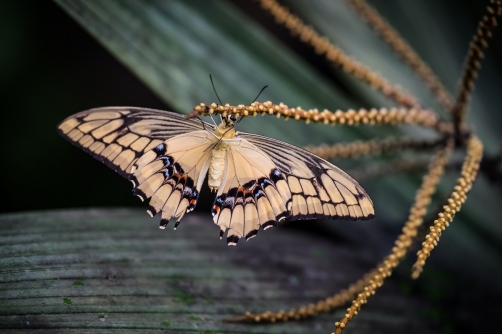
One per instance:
[(226, 129), (229, 120)]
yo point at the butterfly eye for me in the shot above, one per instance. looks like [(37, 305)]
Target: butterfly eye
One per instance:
[(232, 118)]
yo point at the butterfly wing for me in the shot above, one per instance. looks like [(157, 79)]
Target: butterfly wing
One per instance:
[(118, 136), (172, 174), (165, 155), (252, 194), (319, 189)]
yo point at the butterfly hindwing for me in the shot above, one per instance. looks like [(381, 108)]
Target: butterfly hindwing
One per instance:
[(253, 193), (118, 136), (319, 190)]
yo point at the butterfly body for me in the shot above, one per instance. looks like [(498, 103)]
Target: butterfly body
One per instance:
[(217, 165), (258, 181), (225, 130)]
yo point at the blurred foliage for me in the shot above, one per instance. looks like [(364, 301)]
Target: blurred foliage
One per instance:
[(50, 69)]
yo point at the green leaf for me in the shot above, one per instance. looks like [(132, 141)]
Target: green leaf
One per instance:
[(255, 276), (173, 46)]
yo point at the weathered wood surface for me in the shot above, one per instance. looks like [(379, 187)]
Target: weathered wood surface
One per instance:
[(115, 271)]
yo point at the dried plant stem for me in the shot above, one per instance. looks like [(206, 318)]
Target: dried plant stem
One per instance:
[(398, 166), (405, 51), (389, 168), (309, 310), (472, 63), (458, 196), (405, 240), (391, 116), (334, 54), (359, 148)]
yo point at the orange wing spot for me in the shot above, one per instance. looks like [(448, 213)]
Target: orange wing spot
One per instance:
[(216, 208)]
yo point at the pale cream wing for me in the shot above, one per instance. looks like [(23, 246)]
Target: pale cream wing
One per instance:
[(319, 189), (118, 136), (172, 174), (253, 193)]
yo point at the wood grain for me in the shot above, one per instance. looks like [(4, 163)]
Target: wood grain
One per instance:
[(114, 270)]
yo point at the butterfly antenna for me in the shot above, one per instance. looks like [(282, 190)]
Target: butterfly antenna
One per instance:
[(214, 88), (219, 100), (261, 91), (256, 98)]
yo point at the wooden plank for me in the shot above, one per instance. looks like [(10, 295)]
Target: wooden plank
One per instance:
[(105, 270)]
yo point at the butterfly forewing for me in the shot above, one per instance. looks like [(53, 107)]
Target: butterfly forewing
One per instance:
[(118, 136), (319, 190), (165, 155)]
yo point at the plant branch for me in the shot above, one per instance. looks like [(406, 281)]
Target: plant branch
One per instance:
[(384, 146), (457, 198), (389, 168), (335, 55), (389, 116), (472, 63), (405, 51), (310, 310), (405, 240)]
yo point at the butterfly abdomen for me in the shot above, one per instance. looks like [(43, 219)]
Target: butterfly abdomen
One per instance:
[(217, 165)]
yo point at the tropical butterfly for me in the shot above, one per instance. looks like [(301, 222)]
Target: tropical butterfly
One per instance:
[(258, 181)]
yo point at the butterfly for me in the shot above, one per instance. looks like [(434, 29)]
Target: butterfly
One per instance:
[(258, 181)]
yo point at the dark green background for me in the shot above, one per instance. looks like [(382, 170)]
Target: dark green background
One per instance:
[(51, 68)]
